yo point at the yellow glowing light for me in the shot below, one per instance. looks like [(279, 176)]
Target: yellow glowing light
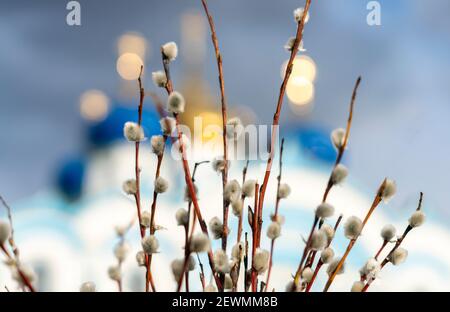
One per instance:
[(132, 43), (300, 91), (209, 119), (94, 105), (129, 66), (304, 66)]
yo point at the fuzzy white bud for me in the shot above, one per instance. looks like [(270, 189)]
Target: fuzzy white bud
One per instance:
[(333, 266), (216, 227), (114, 273), (232, 191), (371, 269), (399, 256), (289, 45), (261, 261), (228, 283), (146, 219), (140, 258), (388, 232), (5, 232), (324, 210), (87, 287), (221, 261), (318, 240), (353, 227), (159, 78), (168, 125), (133, 132), (158, 143), (129, 187), (170, 50), (200, 243), (182, 216), (219, 164), (150, 244), (357, 286), (161, 185), (390, 188), (248, 188), (337, 138), (417, 219), (177, 267), (339, 174), (121, 251), (307, 274), (274, 230), (328, 230), (327, 255), (284, 190), (187, 193), (298, 14), (176, 103), (236, 207)]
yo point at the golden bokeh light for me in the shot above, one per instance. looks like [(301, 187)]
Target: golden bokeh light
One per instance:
[(94, 105), (300, 91), (129, 66), (132, 42), (304, 66)]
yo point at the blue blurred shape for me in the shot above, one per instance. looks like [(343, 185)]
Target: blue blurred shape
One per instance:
[(111, 128), (316, 143), (70, 177)]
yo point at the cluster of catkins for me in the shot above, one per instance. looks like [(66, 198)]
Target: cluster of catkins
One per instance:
[(16, 266)]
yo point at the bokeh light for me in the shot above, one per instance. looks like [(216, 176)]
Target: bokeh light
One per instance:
[(300, 91), (132, 42), (129, 66), (94, 105), (304, 66)]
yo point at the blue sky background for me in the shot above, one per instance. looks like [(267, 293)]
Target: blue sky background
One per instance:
[(401, 123)]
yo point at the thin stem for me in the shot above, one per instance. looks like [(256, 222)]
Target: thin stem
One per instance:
[(352, 242), (254, 278), (224, 121), (276, 117), (381, 249)]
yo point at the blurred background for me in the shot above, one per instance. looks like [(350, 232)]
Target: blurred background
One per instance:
[(66, 91)]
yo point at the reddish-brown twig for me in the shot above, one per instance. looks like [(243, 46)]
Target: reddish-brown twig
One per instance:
[(376, 202), (254, 279), (276, 117), (399, 241), (275, 215), (330, 183), (187, 174), (224, 120), (240, 218)]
